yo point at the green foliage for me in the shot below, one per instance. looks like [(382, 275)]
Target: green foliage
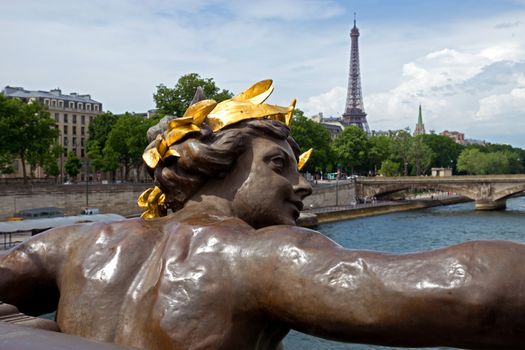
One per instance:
[(389, 168), (469, 161), (420, 156), (402, 145), (309, 134), (126, 142), (49, 162), (475, 162), (351, 148), (28, 131), (72, 165), (380, 149), (175, 101), (99, 130), (6, 163), (445, 150)]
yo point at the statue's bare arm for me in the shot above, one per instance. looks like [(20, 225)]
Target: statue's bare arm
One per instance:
[(29, 272), (470, 295)]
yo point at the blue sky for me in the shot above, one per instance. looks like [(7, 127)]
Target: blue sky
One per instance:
[(464, 61)]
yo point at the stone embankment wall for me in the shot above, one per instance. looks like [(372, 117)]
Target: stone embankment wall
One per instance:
[(122, 198), (117, 198), (331, 195)]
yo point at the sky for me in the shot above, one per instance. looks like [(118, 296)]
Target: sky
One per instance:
[(463, 61)]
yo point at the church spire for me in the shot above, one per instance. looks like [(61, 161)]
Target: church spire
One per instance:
[(420, 127)]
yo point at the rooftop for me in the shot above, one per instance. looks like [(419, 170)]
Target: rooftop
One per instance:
[(14, 91)]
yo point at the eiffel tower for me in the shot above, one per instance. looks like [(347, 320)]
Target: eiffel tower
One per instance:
[(354, 113)]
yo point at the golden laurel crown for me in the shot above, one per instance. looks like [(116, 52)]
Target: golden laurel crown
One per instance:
[(247, 105)]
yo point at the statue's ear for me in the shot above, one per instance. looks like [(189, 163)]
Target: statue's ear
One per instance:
[(199, 95)]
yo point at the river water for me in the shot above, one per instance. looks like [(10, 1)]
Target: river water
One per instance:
[(415, 231)]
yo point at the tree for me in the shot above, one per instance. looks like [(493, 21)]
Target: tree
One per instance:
[(310, 134), (445, 150), (28, 131), (99, 130), (389, 168), (380, 149), (175, 101), (475, 162), (420, 156), (72, 165), (402, 148), (49, 161), (126, 142), (6, 163), (350, 148)]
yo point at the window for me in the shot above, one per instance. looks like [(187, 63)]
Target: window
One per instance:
[(82, 131), (65, 117), (74, 142), (53, 103), (82, 153), (65, 129), (82, 142), (46, 101), (65, 140), (88, 106), (71, 104), (80, 105), (74, 118), (96, 108), (74, 151), (56, 117), (74, 130), (61, 104), (83, 119)]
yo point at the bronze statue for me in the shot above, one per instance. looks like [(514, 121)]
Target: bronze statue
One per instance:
[(229, 270)]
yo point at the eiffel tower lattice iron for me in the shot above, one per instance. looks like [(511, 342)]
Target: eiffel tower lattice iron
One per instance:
[(354, 113)]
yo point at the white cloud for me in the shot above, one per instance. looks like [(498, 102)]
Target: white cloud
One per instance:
[(508, 106), (331, 103), (471, 85)]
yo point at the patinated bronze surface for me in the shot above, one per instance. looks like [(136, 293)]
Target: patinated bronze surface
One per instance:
[(229, 270)]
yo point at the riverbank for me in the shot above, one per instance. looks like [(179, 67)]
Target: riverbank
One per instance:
[(313, 217)]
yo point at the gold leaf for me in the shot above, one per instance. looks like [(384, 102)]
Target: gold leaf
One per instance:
[(198, 111), (143, 198), (171, 153), (178, 122), (303, 158), (151, 157), (257, 93), (178, 133)]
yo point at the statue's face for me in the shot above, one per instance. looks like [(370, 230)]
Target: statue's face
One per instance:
[(270, 189)]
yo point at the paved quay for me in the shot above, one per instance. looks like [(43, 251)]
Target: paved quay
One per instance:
[(315, 216)]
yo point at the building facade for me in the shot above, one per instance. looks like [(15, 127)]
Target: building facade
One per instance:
[(457, 136), (72, 113)]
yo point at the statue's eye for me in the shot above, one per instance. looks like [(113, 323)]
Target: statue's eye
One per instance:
[(277, 163)]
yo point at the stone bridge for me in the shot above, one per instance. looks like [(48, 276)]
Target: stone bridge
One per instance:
[(490, 192)]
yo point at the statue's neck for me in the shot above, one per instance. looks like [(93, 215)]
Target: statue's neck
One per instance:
[(209, 206)]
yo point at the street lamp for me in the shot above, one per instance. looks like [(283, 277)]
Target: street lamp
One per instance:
[(86, 164)]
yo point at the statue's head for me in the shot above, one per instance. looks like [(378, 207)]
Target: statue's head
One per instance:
[(213, 141)]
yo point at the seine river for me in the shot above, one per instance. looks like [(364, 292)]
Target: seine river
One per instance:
[(414, 231)]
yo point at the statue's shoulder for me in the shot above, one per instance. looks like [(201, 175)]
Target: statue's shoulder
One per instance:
[(294, 235)]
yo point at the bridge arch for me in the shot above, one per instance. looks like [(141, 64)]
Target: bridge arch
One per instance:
[(489, 192)]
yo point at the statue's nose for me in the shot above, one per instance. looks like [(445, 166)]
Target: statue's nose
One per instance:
[(303, 188)]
